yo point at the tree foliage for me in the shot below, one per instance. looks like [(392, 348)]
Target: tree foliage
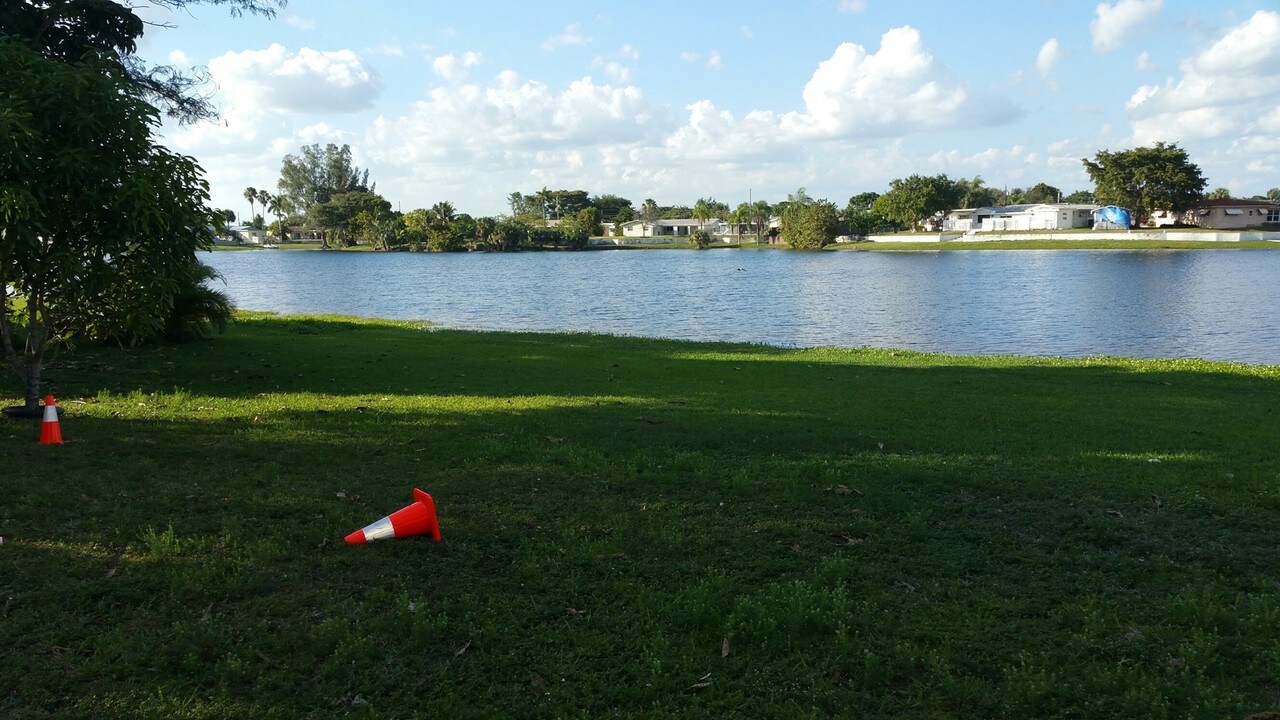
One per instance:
[(316, 175), (974, 193), (859, 218), (912, 200), (1147, 179), (337, 216), (67, 30), (611, 205), (812, 225), (1043, 193), (100, 222)]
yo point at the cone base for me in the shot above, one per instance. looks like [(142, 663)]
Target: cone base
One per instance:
[(22, 412)]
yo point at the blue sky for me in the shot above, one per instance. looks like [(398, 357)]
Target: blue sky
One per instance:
[(467, 102)]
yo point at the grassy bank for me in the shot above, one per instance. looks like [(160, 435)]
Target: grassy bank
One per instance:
[(638, 528)]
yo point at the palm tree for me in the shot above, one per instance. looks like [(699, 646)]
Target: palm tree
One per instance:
[(278, 206), (702, 211), (649, 210), (251, 195), (759, 216), (442, 213), (264, 197)]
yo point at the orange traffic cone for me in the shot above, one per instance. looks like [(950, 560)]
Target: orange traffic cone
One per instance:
[(416, 519), (50, 430)]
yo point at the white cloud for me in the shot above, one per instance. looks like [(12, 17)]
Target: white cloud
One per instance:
[(297, 22), (714, 61), (1048, 57), (689, 56), (897, 90), (617, 73), (472, 122), (747, 32), (179, 58), (453, 68), (616, 70), (1145, 63), (852, 6), (572, 35), (265, 97), (1112, 23), (306, 81), (1227, 89)]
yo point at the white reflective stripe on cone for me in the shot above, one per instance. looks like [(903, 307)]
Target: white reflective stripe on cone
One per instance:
[(380, 530), (50, 413)]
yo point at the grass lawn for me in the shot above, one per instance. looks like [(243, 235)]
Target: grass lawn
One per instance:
[(638, 528)]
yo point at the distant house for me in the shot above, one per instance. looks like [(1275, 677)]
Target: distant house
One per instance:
[(1224, 214), (677, 228), (1039, 216), (245, 234)]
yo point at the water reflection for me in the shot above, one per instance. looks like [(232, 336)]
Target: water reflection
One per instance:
[(1211, 304)]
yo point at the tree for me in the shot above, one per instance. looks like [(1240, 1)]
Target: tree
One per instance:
[(912, 200), (101, 223), (624, 216), (1079, 197), (973, 193), (812, 225), (251, 194), (1273, 194), (700, 238), (760, 213), (1144, 180), (442, 214), (858, 216), (649, 210), (484, 229), (67, 30), (507, 235), (1042, 193), (264, 199), (1219, 193), (279, 207), (518, 203), (317, 174), (337, 216), (377, 227), (610, 205), (702, 211)]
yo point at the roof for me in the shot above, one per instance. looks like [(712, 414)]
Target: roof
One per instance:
[(683, 222), (1013, 209), (1235, 203)]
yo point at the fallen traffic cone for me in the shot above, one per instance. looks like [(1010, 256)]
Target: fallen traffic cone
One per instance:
[(416, 519), (50, 430)]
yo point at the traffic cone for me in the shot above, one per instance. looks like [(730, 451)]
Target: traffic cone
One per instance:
[(50, 430), (416, 519)]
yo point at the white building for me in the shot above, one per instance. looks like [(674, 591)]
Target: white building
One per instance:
[(1040, 216)]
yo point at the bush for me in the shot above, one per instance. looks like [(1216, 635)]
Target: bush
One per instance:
[(701, 239), (197, 308)]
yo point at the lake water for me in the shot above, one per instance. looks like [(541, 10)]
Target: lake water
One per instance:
[(1214, 304)]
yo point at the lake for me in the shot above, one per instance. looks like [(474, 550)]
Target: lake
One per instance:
[(1212, 304)]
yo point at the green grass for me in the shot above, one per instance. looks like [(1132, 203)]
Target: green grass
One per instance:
[(638, 528)]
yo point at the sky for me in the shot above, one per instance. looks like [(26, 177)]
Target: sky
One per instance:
[(467, 102)]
